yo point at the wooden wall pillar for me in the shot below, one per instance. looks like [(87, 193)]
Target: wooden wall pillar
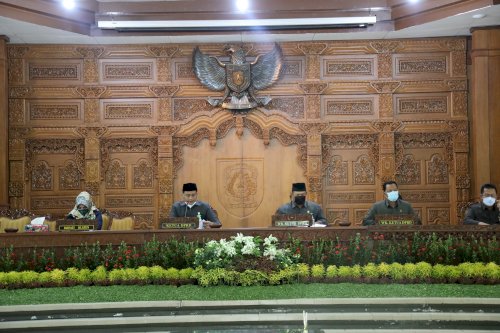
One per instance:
[(4, 125), (485, 108)]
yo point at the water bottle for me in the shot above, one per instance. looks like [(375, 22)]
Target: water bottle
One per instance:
[(200, 221)]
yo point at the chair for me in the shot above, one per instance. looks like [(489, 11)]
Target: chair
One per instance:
[(14, 219), (120, 220)]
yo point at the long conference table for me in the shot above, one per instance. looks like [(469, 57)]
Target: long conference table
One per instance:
[(60, 240)]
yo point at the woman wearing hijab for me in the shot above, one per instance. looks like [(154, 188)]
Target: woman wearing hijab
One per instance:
[(85, 209)]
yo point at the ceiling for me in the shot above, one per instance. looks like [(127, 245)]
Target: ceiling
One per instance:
[(47, 22)]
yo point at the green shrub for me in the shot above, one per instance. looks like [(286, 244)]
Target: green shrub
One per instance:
[(99, 275), (424, 270), (332, 271), (453, 272), (467, 269), (318, 271), (371, 271), (157, 273), (130, 274), (356, 271), (212, 277), (384, 269), (172, 274), (396, 271), (302, 270), (58, 276), (492, 271), (185, 274), (252, 278), (344, 272), (44, 277), (232, 278), (283, 276), (439, 272), (28, 277), (410, 271), (117, 275), (72, 274), (142, 273)]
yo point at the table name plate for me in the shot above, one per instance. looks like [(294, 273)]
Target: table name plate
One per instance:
[(394, 219), (292, 220), (76, 225), (179, 223)]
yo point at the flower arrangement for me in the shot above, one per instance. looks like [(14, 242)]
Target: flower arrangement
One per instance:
[(244, 252)]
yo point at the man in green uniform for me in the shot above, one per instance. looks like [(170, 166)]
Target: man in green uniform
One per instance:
[(391, 205)]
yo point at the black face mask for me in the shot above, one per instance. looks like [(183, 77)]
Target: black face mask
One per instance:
[(300, 200)]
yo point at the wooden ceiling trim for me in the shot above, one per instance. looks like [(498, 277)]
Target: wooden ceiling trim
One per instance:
[(208, 6), (45, 20), (407, 19)]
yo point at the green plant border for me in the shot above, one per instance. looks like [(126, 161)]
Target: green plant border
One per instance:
[(477, 273)]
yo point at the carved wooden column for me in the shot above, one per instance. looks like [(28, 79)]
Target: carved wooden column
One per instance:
[(165, 168), (313, 98), (4, 124), (314, 170), (17, 181), (460, 134), (92, 174), (387, 150), (485, 110), (164, 56)]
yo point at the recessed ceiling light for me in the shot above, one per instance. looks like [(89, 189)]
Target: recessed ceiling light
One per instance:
[(242, 5), (68, 4), (414, 1), (478, 16)]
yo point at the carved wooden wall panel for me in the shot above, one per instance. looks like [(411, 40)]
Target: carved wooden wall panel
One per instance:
[(130, 124)]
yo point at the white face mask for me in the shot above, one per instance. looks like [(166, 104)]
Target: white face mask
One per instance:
[(489, 201), (393, 196)]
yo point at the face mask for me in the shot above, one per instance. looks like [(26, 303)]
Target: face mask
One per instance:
[(489, 201), (393, 196), (300, 200), (83, 211)]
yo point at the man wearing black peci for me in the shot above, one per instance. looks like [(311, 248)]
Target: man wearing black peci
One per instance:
[(299, 205), (392, 204), (191, 207)]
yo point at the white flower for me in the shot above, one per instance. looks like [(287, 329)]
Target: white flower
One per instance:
[(248, 240), (270, 240), (270, 252), (229, 248), (239, 238), (249, 248)]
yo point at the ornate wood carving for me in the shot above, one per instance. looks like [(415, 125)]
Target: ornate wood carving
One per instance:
[(423, 140), (331, 143), (131, 145), (409, 171), (389, 107), (16, 71), (74, 147), (364, 171)]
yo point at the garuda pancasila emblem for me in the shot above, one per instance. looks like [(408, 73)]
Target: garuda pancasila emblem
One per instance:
[(239, 79)]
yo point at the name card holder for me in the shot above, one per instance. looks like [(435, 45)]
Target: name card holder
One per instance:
[(179, 223), (76, 225), (291, 220), (403, 219)]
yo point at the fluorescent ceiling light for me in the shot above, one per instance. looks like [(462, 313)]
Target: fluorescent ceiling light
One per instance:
[(324, 21)]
